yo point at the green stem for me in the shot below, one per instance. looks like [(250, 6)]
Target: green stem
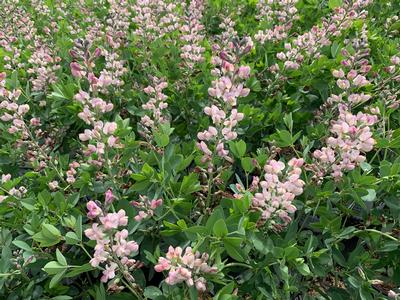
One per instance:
[(237, 265), (378, 232)]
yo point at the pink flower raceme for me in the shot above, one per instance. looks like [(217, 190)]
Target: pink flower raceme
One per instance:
[(111, 243), (345, 150), (192, 36), (154, 107), (280, 14), (189, 267), (225, 90), (155, 19), (310, 43), (101, 136), (280, 186), (44, 64)]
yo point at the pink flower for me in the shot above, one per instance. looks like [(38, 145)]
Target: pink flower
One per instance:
[(163, 264), (188, 268), (338, 73), (343, 84), (5, 178), (109, 272), (94, 233), (109, 196), (76, 70), (93, 209), (360, 81), (244, 72), (109, 128), (113, 220)]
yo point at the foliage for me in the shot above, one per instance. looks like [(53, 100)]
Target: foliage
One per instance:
[(199, 149)]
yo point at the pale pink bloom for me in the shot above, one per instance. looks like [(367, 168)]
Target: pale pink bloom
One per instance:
[(82, 97), (5, 178), (86, 136), (395, 60), (53, 185), (94, 233), (112, 141), (360, 81), (204, 148), (338, 73), (244, 72), (352, 74), (163, 264), (343, 84), (109, 128), (109, 196), (109, 272), (113, 220), (76, 70), (35, 121), (93, 210)]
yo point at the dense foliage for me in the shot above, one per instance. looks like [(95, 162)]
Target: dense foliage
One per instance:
[(156, 149)]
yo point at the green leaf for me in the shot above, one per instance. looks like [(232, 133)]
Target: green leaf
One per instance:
[(335, 3), (303, 269), (60, 258), (283, 138), (232, 247), (71, 238), (220, 229), (247, 164), (238, 148), (334, 49), (371, 195), (22, 245), (226, 290), (50, 231), (54, 267), (215, 216), (45, 241), (57, 278), (190, 184), (152, 292), (161, 139), (79, 270)]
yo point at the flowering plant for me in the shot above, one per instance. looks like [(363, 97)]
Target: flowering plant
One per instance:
[(159, 149)]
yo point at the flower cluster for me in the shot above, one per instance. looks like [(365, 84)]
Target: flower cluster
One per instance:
[(345, 150), (14, 192), (92, 107), (279, 13), (228, 33), (310, 43), (116, 35), (189, 267), (155, 105), (146, 207), (280, 186), (112, 247), (192, 51), (12, 111), (155, 18), (225, 90), (44, 65), (16, 26), (71, 173)]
